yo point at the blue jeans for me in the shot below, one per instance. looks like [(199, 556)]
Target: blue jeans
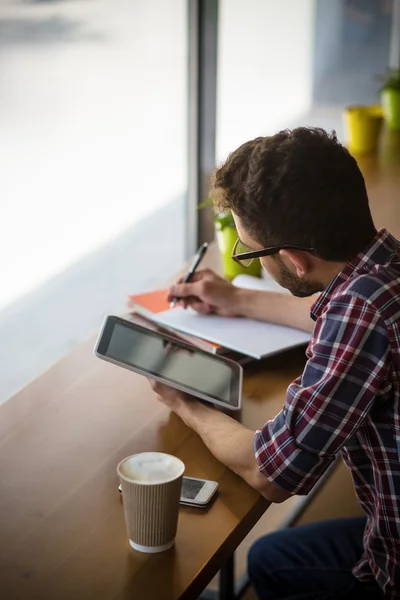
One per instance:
[(310, 561)]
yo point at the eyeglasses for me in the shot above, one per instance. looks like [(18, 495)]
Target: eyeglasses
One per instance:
[(242, 255)]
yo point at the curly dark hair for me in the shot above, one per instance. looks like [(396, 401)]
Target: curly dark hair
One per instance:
[(299, 187)]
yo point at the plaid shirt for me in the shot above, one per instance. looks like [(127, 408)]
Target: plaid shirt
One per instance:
[(347, 401)]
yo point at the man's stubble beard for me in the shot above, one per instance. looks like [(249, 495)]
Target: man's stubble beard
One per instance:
[(296, 286)]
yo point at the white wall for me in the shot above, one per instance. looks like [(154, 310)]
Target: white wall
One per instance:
[(265, 67)]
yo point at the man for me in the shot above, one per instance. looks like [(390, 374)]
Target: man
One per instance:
[(300, 204)]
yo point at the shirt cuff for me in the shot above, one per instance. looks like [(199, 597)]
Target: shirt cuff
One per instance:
[(283, 461)]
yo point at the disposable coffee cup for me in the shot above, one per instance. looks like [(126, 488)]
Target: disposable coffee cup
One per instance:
[(151, 489)]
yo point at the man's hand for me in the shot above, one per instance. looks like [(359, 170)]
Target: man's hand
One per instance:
[(228, 440), (207, 293), (177, 401)]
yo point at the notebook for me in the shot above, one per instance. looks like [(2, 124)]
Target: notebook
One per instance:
[(144, 306), (150, 302), (246, 336), (265, 283)]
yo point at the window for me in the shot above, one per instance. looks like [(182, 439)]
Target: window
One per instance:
[(93, 118)]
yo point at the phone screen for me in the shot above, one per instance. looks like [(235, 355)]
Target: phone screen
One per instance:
[(151, 352), (190, 488)]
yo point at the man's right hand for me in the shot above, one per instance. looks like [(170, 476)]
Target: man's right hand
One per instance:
[(206, 293)]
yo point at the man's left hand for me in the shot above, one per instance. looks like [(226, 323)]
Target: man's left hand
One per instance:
[(177, 401)]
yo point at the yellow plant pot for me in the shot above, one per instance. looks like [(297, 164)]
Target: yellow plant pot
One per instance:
[(363, 127)]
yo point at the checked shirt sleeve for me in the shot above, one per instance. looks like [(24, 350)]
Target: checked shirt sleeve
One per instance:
[(346, 369)]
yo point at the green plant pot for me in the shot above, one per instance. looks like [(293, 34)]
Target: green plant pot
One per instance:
[(391, 108), (226, 238)]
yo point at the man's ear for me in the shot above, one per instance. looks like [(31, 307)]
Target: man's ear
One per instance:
[(298, 259)]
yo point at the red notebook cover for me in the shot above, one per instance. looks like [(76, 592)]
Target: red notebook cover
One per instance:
[(155, 301)]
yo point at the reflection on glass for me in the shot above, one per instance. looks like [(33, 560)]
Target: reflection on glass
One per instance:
[(197, 371)]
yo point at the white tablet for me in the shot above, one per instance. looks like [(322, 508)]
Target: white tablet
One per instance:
[(162, 357)]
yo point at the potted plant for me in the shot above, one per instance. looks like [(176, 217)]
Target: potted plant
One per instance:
[(226, 234), (390, 96)]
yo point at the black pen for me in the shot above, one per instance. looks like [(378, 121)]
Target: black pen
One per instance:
[(196, 261)]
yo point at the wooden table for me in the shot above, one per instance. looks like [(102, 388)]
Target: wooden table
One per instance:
[(62, 531)]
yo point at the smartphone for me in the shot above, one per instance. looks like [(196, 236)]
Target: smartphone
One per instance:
[(196, 492)]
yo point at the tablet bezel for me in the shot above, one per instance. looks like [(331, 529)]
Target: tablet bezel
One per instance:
[(104, 338)]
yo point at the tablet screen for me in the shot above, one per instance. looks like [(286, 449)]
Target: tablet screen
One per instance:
[(149, 351)]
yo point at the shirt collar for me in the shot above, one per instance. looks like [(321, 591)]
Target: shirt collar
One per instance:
[(378, 251)]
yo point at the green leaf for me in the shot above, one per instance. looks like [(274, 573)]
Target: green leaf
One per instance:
[(223, 220), (207, 202), (391, 81)]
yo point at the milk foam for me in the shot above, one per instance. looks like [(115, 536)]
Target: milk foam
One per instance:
[(151, 467)]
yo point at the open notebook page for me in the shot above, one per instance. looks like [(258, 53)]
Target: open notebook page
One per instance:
[(266, 283), (250, 337)]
